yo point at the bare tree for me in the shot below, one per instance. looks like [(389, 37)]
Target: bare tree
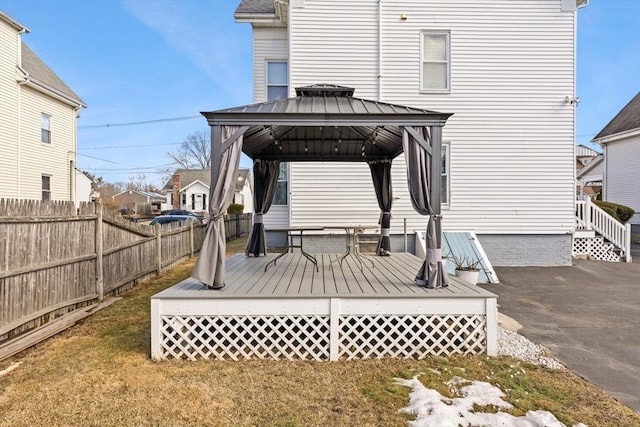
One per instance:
[(194, 152), (141, 183)]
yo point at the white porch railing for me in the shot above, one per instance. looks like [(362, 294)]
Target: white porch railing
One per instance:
[(591, 217)]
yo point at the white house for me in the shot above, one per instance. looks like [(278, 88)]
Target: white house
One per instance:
[(620, 140), (243, 194), (37, 123), (189, 189), (589, 178), (84, 190), (505, 69)]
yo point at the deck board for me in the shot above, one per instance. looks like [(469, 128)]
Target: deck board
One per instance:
[(293, 276)]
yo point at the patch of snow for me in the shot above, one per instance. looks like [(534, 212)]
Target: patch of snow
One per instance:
[(435, 410), (10, 368)]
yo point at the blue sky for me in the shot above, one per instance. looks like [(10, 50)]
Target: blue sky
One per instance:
[(145, 60)]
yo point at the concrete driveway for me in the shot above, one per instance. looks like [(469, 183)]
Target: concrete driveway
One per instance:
[(588, 315)]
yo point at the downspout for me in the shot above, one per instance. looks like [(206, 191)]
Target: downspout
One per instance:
[(18, 127), (379, 50), (19, 108), (574, 106), (72, 179), (579, 5)]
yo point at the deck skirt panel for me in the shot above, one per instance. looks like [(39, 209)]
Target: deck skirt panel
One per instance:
[(291, 311)]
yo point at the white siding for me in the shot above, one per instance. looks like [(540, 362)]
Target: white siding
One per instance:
[(37, 158), (9, 42), (247, 196), (23, 157), (269, 44), (200, 191), (83, 188), (622, 180), (512, 65)]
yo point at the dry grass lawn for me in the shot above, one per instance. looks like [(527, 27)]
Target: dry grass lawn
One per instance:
[(99, 373)]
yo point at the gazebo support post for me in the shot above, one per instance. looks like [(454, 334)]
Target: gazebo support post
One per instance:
[(436, 171)]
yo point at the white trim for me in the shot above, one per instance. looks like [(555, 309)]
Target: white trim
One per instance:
[(617, 136), (446, 151), (447, 34), (266, 77), (192, 183)]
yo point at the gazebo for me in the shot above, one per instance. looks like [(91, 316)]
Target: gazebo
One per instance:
[(398, 306), (324, 123)]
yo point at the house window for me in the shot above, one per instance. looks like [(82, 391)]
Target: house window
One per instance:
[(204, 202), (183, 203), (46, 187), (46, 128), (436, 64), (282, 190), (193, 202), (277, 80), (444, 189)]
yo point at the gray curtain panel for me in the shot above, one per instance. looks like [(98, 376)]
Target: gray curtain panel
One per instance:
[(381, 177), (432, 274), (265, 178), (210, 266)]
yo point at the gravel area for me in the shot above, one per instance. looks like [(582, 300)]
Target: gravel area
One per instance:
[(515, 345)]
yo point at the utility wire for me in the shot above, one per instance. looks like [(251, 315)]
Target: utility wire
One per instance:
[(143, 122), (130, 169), (129, 146), (98, 158)]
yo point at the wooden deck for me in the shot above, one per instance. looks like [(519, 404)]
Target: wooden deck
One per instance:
[(294, 276), (339, 311)]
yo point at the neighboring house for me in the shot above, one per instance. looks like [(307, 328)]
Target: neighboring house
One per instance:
[(589, 178), (142, 202), (84, 190), (37, 123), (243, 194), (620, 140), (505, 69), (189, 189), (584, 155)]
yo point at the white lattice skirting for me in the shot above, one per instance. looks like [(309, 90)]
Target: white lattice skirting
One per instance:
[(596, 248), (343, 331)]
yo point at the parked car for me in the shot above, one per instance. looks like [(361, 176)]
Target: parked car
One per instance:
[(166, 219)]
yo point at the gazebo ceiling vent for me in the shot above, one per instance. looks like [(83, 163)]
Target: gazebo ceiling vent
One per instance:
[(325, 89)]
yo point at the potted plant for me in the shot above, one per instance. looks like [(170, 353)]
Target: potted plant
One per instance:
[(467, 268)]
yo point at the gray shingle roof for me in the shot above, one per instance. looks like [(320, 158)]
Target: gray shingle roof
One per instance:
[(256, 6), (189, 176), (627, 119), (38, 70)]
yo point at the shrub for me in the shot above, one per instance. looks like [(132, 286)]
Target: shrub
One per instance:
[(620, 212), (235, 209)]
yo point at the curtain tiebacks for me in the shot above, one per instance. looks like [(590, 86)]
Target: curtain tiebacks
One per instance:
[(385, 232), (434, 255), (382, 214), (258, 219)]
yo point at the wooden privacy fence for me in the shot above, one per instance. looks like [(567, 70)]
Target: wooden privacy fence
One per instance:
[(55, 259), (236, 226)]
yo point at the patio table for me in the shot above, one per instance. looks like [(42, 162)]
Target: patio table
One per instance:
[(352, 246), (293, 232)]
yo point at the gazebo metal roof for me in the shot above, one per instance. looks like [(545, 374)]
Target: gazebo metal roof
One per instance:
[(324, 122)]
